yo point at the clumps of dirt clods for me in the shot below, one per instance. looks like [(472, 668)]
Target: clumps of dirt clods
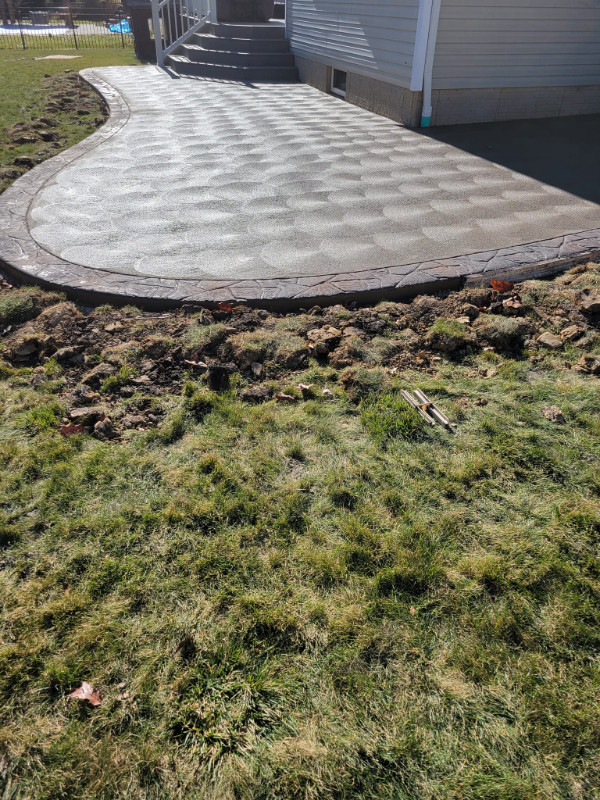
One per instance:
[(113, 370)]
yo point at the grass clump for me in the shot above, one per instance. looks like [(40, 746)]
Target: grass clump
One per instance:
[(390, 417), (276, 345), (25, 303), (448, 335), (199, 403), (42, 417), (361, 382), (113, 383), (504, 333)]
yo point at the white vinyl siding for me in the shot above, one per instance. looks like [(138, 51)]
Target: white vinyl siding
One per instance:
[(375, 38), (517, 43)]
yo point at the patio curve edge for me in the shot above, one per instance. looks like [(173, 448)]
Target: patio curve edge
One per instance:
[(23, 258)]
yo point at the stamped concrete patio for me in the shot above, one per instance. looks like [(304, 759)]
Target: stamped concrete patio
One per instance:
[(202, 190)]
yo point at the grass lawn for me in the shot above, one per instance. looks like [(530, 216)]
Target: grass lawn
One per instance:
[(28, 86), (313, 599)]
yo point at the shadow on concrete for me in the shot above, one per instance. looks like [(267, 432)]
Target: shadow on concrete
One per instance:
[(563, 152)]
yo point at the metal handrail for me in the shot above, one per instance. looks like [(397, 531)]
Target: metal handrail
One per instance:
[(174, 21)]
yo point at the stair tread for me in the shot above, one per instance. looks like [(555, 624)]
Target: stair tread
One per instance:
[(235, 52), (241, 38), (235, 67), (244, 74)]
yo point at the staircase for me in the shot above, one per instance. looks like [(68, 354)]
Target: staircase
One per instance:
[(251, 53)]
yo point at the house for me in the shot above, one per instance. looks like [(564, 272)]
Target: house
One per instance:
[(437, 62)]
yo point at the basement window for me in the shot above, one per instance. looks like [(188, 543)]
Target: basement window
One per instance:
[(338, 82)]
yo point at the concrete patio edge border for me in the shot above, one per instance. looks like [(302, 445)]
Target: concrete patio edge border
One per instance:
[(22, 257)]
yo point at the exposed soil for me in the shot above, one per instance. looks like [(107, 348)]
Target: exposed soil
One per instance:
[(109, 367)]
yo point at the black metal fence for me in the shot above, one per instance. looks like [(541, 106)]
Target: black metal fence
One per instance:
[(63, 27)]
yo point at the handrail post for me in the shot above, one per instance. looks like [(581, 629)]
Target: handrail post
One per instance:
[(160, 56), (212, 10)]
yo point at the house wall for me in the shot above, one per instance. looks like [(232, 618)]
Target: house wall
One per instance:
[(374, 38), (494, 60), (515, 43), (512, 59)]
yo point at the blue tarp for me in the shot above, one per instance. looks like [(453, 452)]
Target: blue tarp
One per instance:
[(119, 27)]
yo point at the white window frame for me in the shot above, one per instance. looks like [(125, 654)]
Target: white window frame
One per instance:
[(333, 88)]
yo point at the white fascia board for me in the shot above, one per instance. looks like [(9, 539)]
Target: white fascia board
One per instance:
[(422, 36)]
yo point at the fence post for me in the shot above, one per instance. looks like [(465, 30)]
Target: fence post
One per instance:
[(73, 28), (21, 29)]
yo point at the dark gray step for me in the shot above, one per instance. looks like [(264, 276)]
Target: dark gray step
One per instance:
[(228, 59), (210, 42), (184, 66), (269, 30)]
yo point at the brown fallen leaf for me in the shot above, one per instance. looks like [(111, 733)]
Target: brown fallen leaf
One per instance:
[(225, 307), (502, 286), (70, 430), (86, 692), (285, 398)]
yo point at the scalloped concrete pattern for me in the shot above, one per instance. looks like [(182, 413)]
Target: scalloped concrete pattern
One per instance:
[(208, 190)]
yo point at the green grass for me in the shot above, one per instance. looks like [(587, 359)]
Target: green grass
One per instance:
[(390, 417), (25, 95), (402, 617)]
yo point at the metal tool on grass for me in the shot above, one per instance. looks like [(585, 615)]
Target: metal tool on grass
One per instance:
[(427, 408)]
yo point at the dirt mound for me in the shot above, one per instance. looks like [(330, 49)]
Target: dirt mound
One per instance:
[(120, 362)]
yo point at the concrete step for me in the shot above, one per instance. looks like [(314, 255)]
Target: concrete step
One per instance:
[(183, 65), (228, 58), (210, 42), (268, 30)]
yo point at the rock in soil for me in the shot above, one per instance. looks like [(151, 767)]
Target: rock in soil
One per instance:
[(571, 333), (257, 394), (104, 429), (590, 304), (82, 396), (324, 340), (550, 341), (24, 349), (88, 415), (66, 354), (589, 365), (133, 421), (98, 374)]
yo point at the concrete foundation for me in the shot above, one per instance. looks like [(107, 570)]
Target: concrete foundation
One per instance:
[(456, 106), (386, 99)]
